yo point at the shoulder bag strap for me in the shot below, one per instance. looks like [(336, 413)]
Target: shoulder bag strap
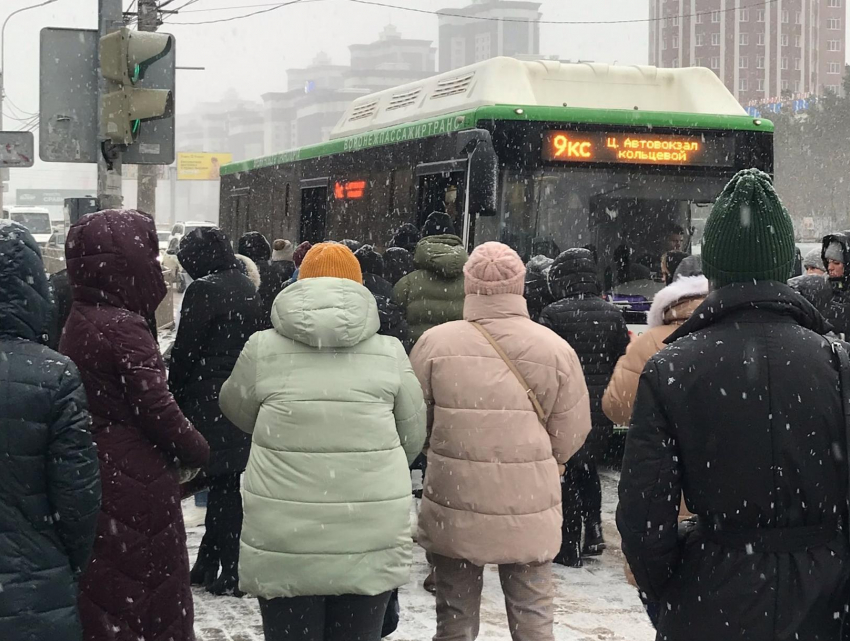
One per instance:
[(541, 415)]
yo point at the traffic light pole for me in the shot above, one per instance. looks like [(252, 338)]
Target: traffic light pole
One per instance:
[(147, 181), (109, 187)]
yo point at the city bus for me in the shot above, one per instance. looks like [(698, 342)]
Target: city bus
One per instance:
[(542, 155)]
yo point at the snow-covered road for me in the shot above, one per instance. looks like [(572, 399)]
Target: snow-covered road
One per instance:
[(592, 604)]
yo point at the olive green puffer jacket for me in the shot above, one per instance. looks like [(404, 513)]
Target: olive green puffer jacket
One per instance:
[(336, 415), (433, 294)]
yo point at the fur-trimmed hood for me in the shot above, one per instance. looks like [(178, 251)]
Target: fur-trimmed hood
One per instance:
[(676, 302), (251, 270)]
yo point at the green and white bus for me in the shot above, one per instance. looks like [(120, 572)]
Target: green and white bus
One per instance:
[(541, 155)]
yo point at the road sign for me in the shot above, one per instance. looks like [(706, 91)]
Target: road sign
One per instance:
[(68, 110), (17, 149), (48, 197)]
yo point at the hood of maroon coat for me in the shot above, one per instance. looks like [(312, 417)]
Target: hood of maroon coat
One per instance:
[(111, 258)]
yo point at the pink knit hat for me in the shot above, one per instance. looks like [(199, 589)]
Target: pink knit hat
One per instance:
[(494, 268)]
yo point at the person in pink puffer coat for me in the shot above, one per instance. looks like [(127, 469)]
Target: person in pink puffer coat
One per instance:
[(492, 492)]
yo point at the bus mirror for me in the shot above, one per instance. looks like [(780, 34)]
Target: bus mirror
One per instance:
[(483, 171)]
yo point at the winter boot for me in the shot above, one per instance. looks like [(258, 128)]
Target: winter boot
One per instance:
[(205, 570), (569, 556), (430, 583), (594, 544), (227, 584)]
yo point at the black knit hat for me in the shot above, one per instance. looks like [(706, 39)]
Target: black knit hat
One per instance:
[(749, 235), (437, 224), (371, 262)]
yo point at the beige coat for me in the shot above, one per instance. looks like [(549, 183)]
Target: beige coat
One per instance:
[(492, 491), (671, 307)]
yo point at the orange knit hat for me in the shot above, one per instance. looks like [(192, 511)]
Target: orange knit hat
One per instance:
[(330, 260)]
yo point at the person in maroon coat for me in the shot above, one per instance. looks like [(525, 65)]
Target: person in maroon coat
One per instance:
[(137, 584)]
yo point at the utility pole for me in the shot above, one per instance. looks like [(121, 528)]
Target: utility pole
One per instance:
[(147, 174), (109, 187)]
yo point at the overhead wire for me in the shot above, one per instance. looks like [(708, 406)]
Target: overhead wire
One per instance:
[(387, 5), (247, 15), (443, 12), (17, 108)]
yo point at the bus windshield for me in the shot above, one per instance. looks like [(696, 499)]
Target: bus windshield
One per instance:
[(629, 219), (35, 222)]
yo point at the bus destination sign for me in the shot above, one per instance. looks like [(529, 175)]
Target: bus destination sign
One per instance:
[(638, 149)]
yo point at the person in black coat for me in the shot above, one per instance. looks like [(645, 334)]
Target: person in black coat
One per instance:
[(597, 331), (50, 477), (393, 321), (221, 310), (815, 289), (836, 256), (256, 247), (406, 237), (742, 415), (398, 263), (60, 289), (537, 294)]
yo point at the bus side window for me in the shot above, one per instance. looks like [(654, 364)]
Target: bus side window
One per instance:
[(314, 213), (442, 192)]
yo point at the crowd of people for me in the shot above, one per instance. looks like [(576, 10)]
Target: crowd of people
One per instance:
[(306, 381)]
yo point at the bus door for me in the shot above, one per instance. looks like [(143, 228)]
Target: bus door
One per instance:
[(238, 212), (442, 187), (314, 209)]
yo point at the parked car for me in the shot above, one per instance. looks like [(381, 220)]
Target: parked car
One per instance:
[(35, 219)]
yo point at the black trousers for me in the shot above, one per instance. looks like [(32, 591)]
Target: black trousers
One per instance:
[(223, 522), (324, 618), (581, 499)]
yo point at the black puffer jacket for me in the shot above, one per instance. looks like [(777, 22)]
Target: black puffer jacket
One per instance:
[(393, 321), (255, 246), (60, 289), (816, 290), (537, 294), (49, 478), (742, 414), (221, 310), (594, 328)]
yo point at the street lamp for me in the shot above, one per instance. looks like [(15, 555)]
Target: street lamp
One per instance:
[(3, 68)]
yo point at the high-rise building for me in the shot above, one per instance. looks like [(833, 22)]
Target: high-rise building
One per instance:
[(318, 95), (761, 52), (502, 28)]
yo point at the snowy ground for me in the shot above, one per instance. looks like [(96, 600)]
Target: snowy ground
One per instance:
[(592, 604)]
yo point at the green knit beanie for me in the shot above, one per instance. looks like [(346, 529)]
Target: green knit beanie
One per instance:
[(749, 235)]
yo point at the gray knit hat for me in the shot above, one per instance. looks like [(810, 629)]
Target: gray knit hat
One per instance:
[(813, 259)]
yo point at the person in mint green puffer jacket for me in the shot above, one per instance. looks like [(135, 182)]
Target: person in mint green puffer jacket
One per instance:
[(337, 415)]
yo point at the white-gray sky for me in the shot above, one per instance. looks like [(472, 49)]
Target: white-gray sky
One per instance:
[(251, 56)]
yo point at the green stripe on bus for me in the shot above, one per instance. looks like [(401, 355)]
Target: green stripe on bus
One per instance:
[(470, 119)]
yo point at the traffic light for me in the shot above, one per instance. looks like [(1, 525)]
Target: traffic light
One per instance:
[(125, 58)]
